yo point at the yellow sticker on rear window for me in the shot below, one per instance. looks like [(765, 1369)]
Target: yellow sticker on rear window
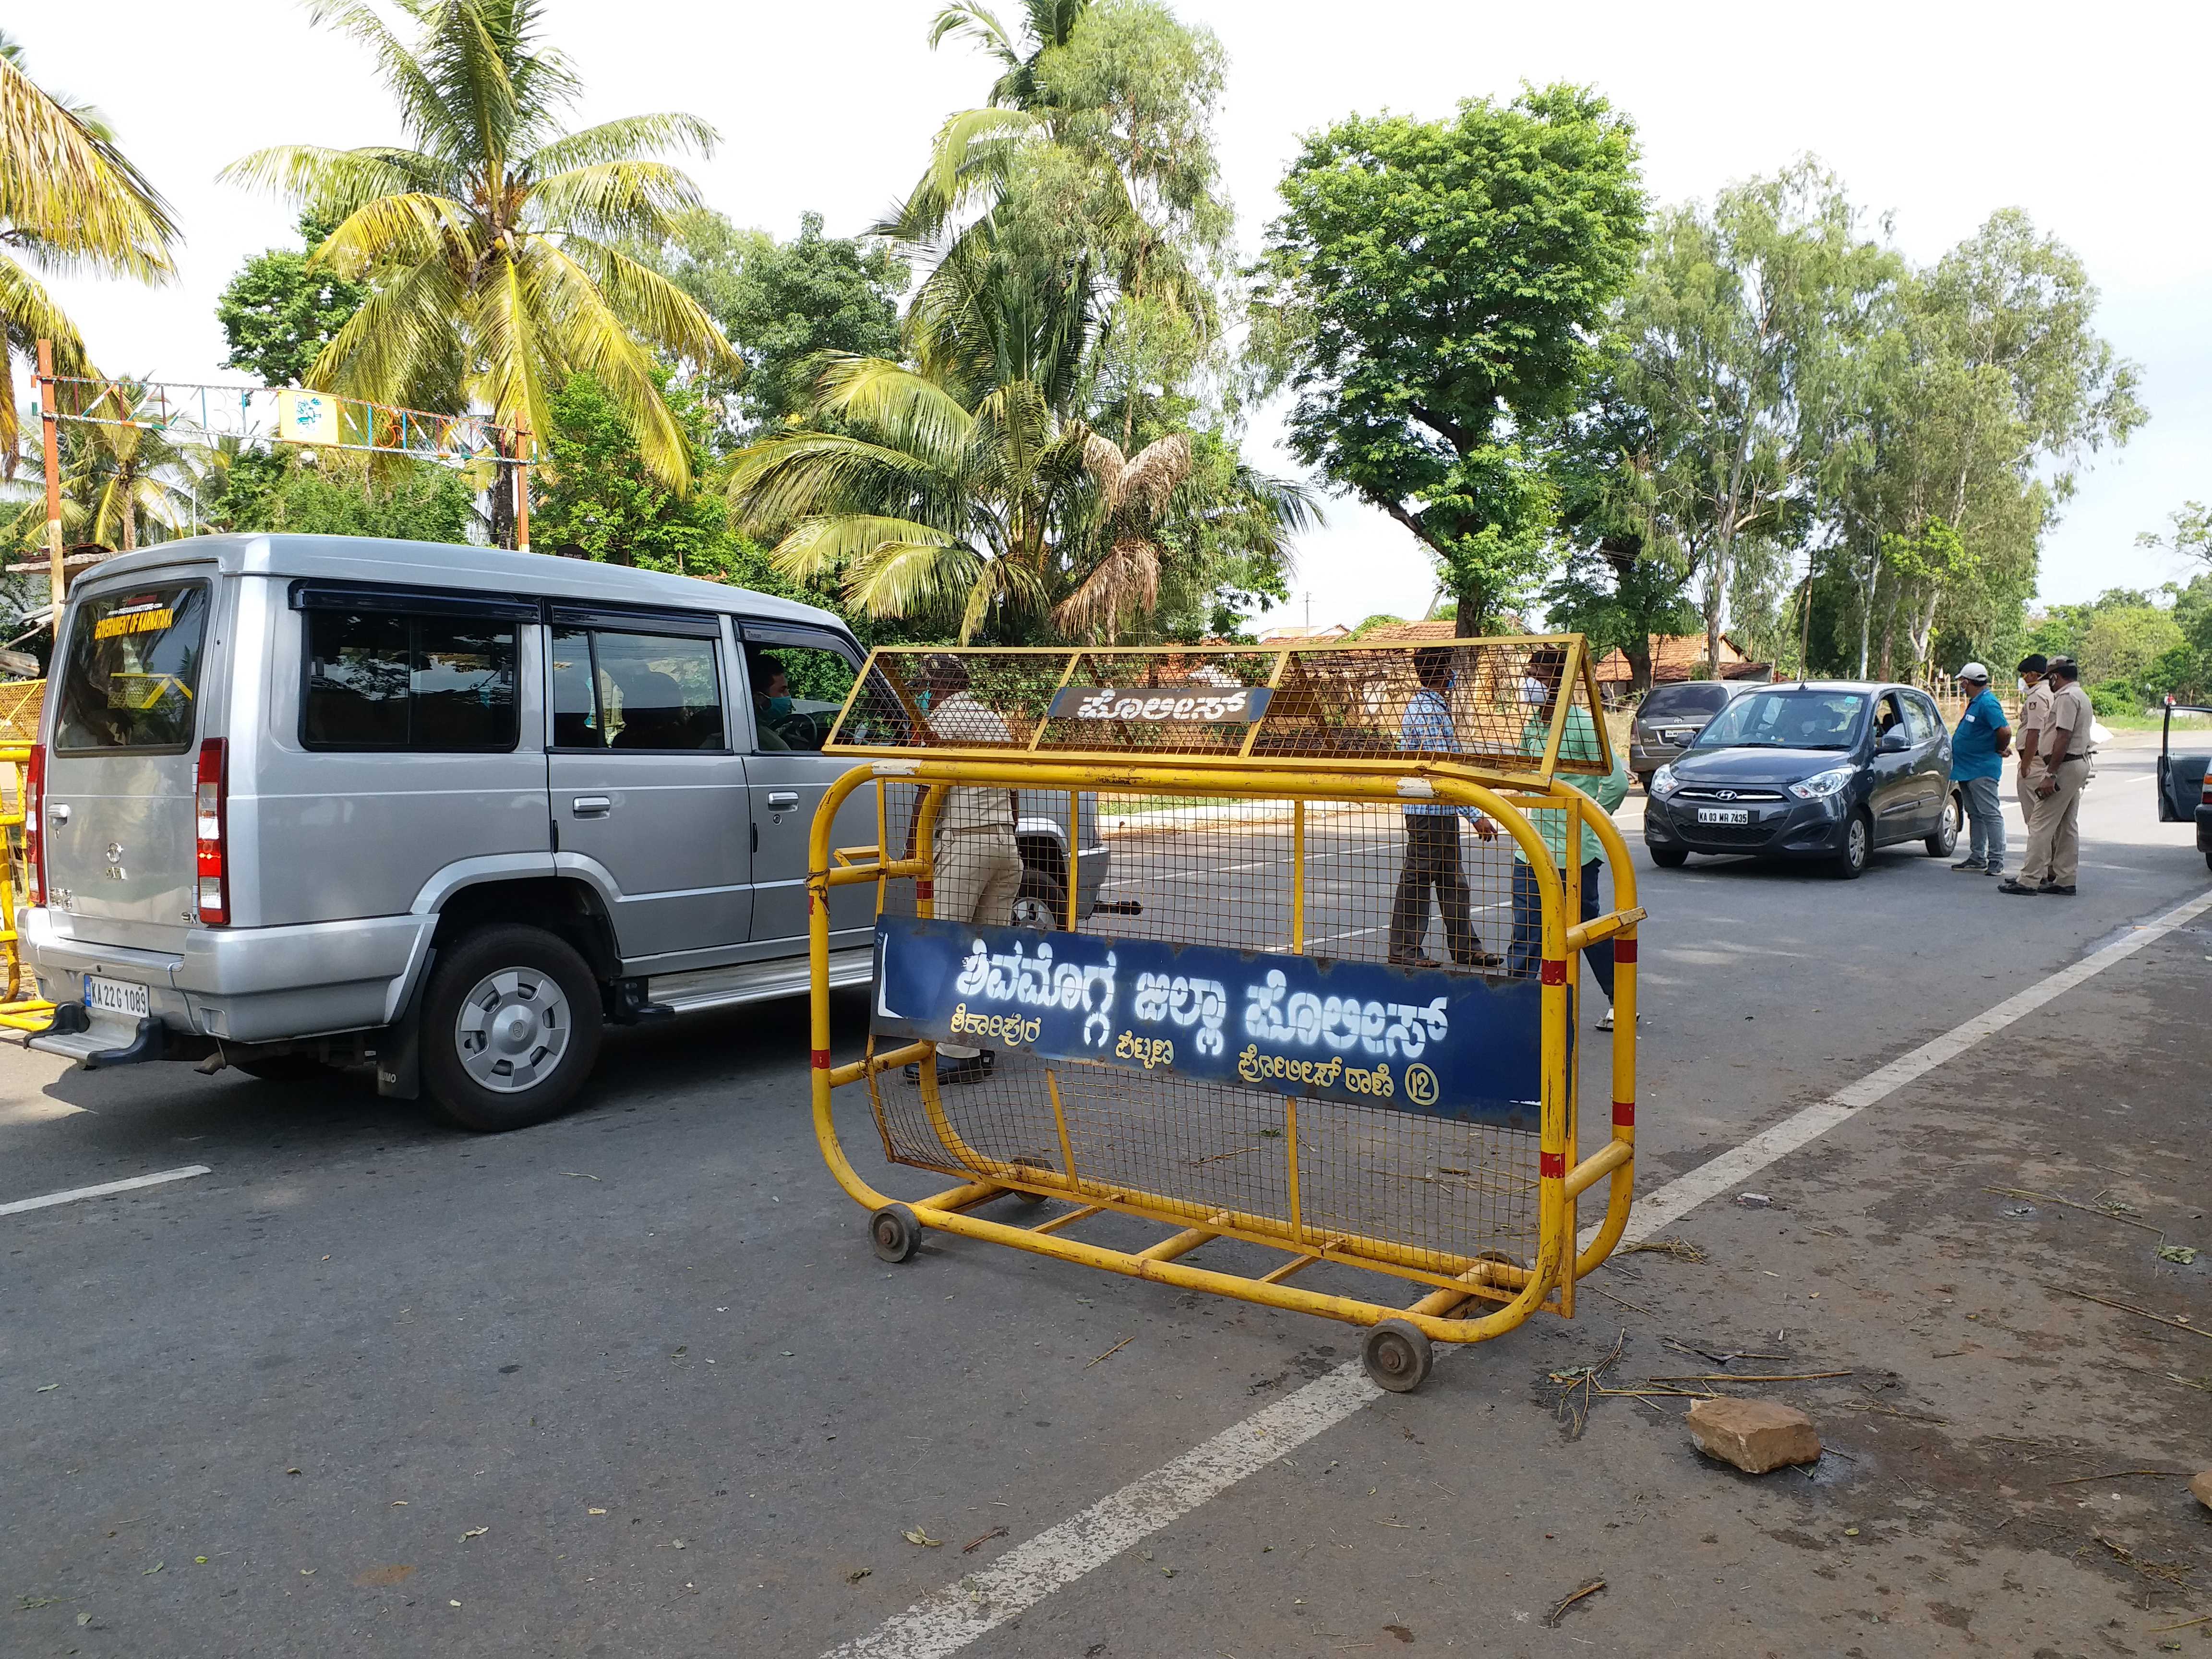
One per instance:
[(134, 622)]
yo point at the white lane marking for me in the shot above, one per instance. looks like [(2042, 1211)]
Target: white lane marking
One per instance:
[(943, 1623), (106, 1188), (950, 1619), (1685, 1193)]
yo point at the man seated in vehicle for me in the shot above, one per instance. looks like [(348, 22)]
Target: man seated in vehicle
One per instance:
[(771, 699)]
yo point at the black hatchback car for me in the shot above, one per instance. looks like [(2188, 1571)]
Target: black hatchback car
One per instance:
[(1825, 769)]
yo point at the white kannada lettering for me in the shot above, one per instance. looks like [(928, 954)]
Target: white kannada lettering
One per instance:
[(1273, 1013), (1037, 981)]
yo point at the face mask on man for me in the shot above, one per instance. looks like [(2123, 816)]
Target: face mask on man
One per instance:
[(778, 708)]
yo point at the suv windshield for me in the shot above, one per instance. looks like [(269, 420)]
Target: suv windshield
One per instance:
[(133, 670), (1787, 720)]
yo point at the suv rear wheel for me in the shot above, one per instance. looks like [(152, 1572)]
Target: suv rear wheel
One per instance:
[(1042, 903), (511, 1027)]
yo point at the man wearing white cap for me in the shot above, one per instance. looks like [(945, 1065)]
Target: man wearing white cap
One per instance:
[(1977, 752)]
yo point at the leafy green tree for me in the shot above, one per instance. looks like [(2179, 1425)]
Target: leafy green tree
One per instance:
[(597, 498), (71, 202), (282, 488), (2189, 533), (278, 313), (1429, 290), (1730, 339), (493, 240), (782, 304), (1989, 389), (1100, 129)]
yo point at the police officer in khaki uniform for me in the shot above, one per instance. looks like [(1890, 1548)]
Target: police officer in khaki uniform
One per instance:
[(2034, 724), (975, 873), (2064, 752)]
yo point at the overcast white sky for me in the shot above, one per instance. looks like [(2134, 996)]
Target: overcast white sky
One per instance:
[(2089, 119)]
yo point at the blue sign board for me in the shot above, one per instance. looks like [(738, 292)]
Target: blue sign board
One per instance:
[(1443, 1045)]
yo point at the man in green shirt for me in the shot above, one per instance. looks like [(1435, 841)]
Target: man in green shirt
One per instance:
[(1547, 669)]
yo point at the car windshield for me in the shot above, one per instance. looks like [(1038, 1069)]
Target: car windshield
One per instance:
[(1787, 720)]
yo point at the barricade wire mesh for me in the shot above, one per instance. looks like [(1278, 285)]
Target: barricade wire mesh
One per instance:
[(1488, 703), (1338, 880)]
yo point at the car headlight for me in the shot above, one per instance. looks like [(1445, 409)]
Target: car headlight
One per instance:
[(1822, 785), (1663, 783)]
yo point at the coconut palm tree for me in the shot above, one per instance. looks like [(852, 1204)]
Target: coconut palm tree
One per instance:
[(928, 505), (492, 239), (69, 201), (122, 484), (1098, 125)]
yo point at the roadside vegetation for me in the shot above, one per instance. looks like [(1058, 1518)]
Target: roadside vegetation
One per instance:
[(1014, 410)]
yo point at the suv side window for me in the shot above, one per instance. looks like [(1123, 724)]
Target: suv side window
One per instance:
[(797, 691), (422, 683), (617, 689)]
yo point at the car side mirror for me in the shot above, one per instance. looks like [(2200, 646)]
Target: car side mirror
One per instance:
[(1895, 741)]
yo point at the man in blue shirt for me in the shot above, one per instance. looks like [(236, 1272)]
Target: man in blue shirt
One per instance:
[(1431, 858), (1977, 752)]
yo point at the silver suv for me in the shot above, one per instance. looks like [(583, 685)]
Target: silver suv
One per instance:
[(307, 801)]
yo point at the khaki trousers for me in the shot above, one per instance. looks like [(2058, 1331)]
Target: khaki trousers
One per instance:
[(2054, 827), (976, 876)]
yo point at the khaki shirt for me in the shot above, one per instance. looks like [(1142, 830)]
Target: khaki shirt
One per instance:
[(2035, 721), (960, 719), (2070, 713)]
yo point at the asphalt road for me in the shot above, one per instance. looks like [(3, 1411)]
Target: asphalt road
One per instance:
[(632, 1382)]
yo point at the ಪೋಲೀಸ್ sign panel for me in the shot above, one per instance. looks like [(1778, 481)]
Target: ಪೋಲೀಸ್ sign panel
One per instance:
[(1443, 1045), (1158, 705)]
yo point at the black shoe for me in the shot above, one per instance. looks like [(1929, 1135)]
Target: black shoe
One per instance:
[(1478, 960), (1994, 869), (2015, 885), (2052, 889), (1974, 865)]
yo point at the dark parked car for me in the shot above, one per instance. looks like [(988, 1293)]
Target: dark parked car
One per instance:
[(1827, 769), (2184, 783), (1670, 717)]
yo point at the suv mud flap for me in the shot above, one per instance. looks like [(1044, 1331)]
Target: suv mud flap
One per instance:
[(399, 1056)]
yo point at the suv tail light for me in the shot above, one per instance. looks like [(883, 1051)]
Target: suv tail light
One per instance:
[(34, 829), (2208, 785), (210, 807)]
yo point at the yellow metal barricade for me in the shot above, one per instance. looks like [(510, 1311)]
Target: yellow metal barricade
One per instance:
[(1247, 1073), (21, 1008), (20, 701)]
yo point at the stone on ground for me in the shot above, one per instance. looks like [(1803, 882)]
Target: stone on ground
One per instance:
[(1754, 1435), (2201, 1487)]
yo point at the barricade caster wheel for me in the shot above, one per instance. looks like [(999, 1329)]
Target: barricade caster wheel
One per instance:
[(1397, 1356), (894, 1233), (1031, 1161)]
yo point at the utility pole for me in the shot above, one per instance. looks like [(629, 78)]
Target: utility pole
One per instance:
[(49, 423), (522, 486)]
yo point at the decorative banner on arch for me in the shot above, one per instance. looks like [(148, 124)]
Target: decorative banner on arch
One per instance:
[(1441, 1045)]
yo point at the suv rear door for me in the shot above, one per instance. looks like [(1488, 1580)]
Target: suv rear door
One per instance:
[(648, 784), (122, 757)]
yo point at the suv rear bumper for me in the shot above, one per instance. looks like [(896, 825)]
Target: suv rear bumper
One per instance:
[(245, 984)]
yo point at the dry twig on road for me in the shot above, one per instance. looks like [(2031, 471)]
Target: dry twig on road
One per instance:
[(2142, 1313), (1560, 1607)]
